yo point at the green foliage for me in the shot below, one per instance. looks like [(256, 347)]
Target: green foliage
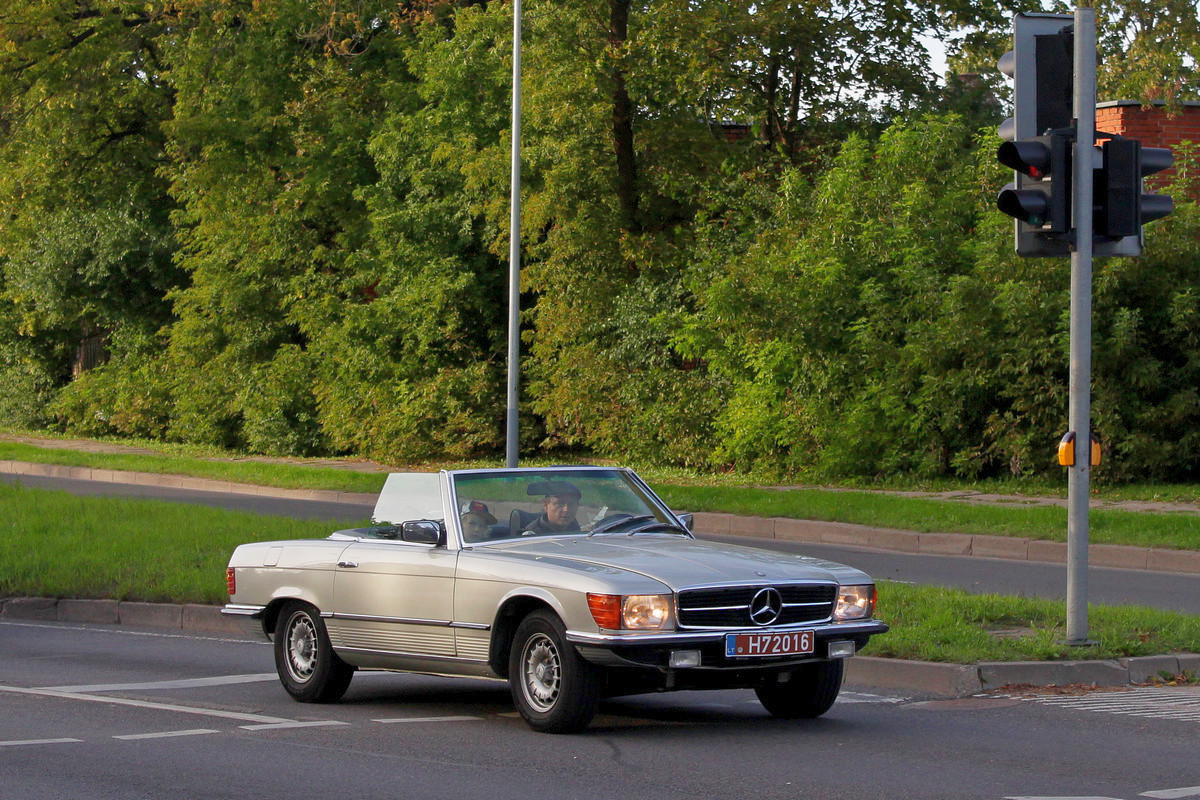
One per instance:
[(288, 222)]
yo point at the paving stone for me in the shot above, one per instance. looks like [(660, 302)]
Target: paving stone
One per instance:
[(994, 675), (944, 544), (97, 611), (903, 541), (946, 680), (799, 530), (1012, 547), (1050, 552), (209, 619), (36, 608), (1118, 556), (153, 615), (1143, 669)]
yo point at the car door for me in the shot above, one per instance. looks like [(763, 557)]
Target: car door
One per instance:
[(393, 600)]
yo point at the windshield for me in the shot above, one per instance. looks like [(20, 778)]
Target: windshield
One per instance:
[(504, 504)]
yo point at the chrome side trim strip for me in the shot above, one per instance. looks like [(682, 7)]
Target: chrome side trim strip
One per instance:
[(239, 610), (432, 623), (436, 623), (471, 626)]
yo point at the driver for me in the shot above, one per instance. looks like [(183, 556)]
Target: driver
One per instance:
[(476, 519), (560, 501)]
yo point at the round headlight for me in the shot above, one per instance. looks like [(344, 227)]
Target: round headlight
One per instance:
[(645, 611), (855, 602)]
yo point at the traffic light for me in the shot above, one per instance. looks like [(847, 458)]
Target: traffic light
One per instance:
[(1038, 146), (1120, 206), (1040, 199)]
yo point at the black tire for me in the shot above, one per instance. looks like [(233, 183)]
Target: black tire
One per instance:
[(811, 691), (555, 690), (308, 668)]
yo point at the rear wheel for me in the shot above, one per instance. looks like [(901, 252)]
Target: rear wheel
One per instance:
[(308, 668), (811, 692), (555, 690)]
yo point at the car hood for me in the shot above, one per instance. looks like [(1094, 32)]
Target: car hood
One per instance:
[(678, 561)]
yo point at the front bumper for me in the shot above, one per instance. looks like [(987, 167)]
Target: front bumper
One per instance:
[(653, 650)]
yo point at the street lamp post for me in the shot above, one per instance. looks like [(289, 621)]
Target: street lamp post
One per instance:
[(514, 249)]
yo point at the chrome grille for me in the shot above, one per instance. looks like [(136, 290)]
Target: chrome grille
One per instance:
[(729, 606)]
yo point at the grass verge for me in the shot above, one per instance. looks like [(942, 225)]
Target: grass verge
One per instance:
[(931, 623), (1179, 531), (1144, 529), (54, 544)]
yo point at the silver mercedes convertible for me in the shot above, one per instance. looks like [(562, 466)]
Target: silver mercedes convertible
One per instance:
[(571, 583)]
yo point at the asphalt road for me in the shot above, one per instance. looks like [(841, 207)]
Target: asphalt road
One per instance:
[(110, 713), (978, 575)]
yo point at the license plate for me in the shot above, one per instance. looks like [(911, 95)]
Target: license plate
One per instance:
[(750, 645)]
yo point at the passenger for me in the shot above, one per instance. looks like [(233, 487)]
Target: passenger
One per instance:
[(560, 501), (477, 520)]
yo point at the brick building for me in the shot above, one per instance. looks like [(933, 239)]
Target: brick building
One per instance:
[(1152, 124)]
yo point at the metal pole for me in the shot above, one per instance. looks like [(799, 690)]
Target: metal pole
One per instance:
[(514, 249), (1081, 327)]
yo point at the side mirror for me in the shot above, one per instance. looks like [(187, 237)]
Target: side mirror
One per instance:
[(422, 531), (688, 520)]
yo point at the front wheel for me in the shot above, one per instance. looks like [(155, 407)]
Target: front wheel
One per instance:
[(811, 692), (308, 668), (555, 690)]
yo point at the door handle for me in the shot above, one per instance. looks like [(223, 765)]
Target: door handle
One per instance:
[(348, 564)]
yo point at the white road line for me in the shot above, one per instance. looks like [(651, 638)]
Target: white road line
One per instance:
[(165, 734), (1171, 794), (426, 719), (122, 701), (1073, 797), (186, 683), (270, 726), (865, 697), (39, 741)]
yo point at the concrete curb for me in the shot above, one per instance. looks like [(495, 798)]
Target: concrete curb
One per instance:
[(1151, 559), (962, 680), (919, 677), (160, 616)]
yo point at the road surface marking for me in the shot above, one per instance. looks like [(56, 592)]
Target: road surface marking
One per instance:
[(1172, 794), (281, 724), (426, 719), (122, 701), (1150, 703), (39, 741), (864, 697), (187, 683), (165, 734)]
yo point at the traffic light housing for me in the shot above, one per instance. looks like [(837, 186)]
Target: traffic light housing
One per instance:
[(1038, 146), (1040, 142), (1040, 198), (1121, 207)]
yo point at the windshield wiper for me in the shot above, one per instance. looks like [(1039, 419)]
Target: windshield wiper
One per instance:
[(658, 527), (619, 522)]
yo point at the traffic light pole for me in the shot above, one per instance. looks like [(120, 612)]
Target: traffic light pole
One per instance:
[(1078, 475)]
